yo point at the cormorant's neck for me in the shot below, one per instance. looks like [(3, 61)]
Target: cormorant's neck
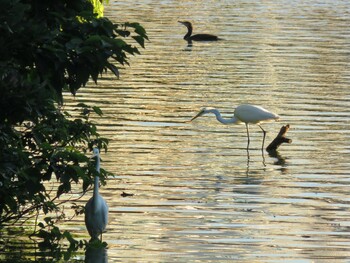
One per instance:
[(189, 32)]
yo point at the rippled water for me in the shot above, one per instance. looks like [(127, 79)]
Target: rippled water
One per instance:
[(196, 194)]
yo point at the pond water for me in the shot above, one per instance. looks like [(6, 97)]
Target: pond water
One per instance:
[(197, 195)]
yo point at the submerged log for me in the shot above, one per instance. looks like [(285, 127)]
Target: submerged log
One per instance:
[(280, 138)]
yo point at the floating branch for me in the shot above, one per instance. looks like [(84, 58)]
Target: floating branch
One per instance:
[(280, 138)]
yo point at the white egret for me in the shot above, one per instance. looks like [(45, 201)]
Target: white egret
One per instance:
[(245, 113), (96, 209)]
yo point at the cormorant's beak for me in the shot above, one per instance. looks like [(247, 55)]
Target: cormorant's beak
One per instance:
[(181, 22)]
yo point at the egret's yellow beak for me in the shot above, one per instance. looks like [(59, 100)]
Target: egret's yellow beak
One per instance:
[(198, 115), (94, 155)]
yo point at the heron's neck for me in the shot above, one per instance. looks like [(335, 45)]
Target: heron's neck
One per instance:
[(189, 32), (218, 116)]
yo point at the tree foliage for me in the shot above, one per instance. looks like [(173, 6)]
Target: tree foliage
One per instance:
[(47, 48)]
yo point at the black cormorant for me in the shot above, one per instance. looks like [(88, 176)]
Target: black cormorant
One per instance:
[(198, 37)]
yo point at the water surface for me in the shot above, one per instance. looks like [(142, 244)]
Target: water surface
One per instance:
[(197, 197), (196, 194)]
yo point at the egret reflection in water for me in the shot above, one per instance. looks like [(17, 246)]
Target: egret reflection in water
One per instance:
[(96, 255)]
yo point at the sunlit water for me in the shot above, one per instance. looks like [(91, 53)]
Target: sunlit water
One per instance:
[(196, 194)]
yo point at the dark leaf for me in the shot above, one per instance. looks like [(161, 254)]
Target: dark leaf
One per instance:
[(113, 68), (140, 40), (97, 110)]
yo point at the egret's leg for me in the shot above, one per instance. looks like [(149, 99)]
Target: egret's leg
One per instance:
[(247, 135), (262, 147)]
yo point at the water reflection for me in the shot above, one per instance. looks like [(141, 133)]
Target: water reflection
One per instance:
[(96, 255), (281, 161)]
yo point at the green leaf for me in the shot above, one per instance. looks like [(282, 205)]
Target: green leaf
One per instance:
[(93, 40), (97, 110), (140, 40), (114, 69)]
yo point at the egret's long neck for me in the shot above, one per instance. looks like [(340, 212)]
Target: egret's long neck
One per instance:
[(222, 120), (96, 185), (97, 178)]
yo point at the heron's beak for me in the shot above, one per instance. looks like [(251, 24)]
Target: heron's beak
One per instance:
[(198, 115)]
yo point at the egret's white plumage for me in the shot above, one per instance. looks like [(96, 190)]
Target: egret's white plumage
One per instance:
[(245, 113), (96, 209)]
